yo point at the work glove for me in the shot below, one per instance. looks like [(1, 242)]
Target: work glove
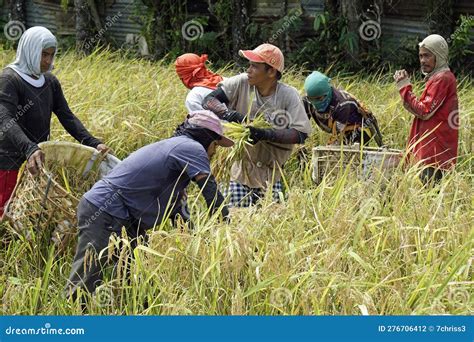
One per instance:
[(259, 134)]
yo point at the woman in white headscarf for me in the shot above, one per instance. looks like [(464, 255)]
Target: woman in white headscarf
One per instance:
[(29, 93), (434, 133)]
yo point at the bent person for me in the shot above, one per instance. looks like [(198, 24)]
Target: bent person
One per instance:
[(142, 191), (339, 113)]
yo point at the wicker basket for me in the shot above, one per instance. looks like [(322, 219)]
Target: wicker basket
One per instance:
[(43, 205), (366, 162)]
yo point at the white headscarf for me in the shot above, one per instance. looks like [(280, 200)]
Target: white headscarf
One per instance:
[(439, 47), (28, 54)]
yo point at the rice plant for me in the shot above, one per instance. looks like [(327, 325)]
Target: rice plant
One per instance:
[(344, 246)]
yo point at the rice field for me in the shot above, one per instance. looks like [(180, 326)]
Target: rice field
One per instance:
[(343, 247)]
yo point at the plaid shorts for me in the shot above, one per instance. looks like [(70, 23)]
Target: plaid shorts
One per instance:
[(242, 196)]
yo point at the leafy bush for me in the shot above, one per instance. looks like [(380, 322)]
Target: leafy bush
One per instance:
[(461, 44)]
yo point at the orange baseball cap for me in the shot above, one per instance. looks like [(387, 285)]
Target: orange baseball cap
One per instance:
[(265, 53)]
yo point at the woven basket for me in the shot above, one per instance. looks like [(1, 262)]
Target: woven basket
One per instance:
[(43, 206), (366, 162)]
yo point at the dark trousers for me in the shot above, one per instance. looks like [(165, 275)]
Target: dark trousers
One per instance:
[(95, 227), (431, 175)]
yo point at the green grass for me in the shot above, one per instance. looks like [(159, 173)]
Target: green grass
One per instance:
[(341, 247)]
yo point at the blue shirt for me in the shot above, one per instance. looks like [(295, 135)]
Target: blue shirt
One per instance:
[(146, 184)]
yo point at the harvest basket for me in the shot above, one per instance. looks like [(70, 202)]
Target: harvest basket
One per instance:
[(365, 162), (45, 206)]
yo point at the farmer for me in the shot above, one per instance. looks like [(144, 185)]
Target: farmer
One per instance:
[(143, 190), (433, 136), (28, 95), (244, 97), (338, 112), (192, 71)]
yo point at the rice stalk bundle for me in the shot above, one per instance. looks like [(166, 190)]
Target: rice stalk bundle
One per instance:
[(240, 134)]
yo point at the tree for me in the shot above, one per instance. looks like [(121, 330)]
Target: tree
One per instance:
[(240, 22), (440, 16), (18, 10), (350, 10), (163, 26), (89, 30)]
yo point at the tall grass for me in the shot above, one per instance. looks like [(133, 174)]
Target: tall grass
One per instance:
[(345, 246)]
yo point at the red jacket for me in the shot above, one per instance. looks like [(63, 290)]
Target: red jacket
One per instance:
[(436, 121)]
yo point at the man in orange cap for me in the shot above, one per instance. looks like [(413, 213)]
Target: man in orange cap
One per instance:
[(192, 71), (258, 92)]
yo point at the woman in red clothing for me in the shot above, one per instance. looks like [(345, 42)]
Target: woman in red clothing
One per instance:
[(433, 136)]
